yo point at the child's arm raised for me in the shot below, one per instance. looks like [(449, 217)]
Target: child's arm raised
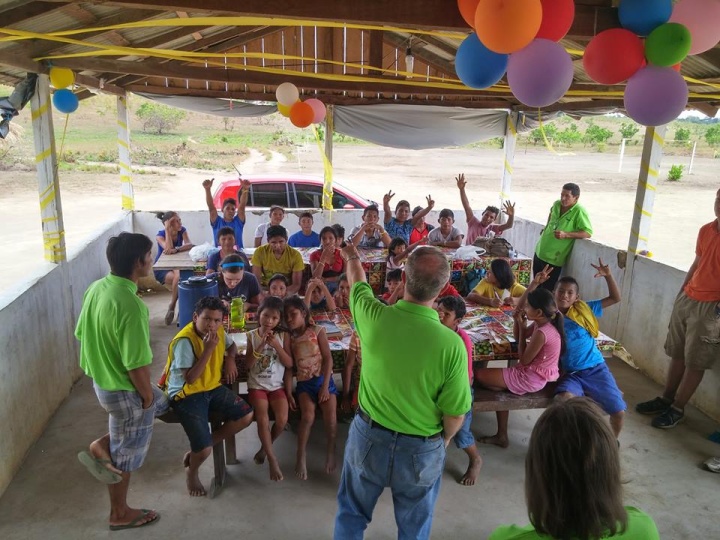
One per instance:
[(460, 180), (527, 350), (538, 279), (603, 270), (397, 294), (327, 366), (425, 211), (509, 210), (329, 300), (387, 212), (312, 284)]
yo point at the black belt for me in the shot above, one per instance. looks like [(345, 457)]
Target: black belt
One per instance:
[(373, 424)]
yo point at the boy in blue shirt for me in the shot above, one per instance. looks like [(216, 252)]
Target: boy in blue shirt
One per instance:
[(305, 237)]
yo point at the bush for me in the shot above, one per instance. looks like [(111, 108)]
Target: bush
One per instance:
[(628, 130), (675, 173), (159, 118), (570, 135), (595, 135), (536, 135), (712, 135), (682, 134)]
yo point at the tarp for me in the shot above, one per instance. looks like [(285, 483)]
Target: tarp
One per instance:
[(214, 106), (12, 104)]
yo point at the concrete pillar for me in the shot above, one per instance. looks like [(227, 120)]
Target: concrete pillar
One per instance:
[(327, 159), (642, 214), (509, 147), (47, 171), (123, 122)]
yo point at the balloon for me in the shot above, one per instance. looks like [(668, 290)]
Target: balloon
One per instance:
[(677, 67), (467, 10), (318, 108), (301, 114), (506, 26), (477, 66), (284, 109), (655, 95), (613, 56), (668, 44), (287, 94), (540, 74), (644, 16), (65, 101), (702, 18), (557, 18), (61, 77)]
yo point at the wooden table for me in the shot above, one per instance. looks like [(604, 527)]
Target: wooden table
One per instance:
[(180, 261)]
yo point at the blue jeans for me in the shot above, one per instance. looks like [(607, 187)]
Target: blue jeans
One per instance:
[(375, 459)]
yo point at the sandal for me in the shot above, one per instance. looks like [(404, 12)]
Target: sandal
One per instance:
[(169, 316), (134, 523)]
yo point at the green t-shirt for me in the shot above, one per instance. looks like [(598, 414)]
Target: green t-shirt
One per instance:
[(555, 251), (114, 333), (640, 526), (414, 369)]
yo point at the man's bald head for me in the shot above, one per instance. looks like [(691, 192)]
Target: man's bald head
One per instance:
[(426, 273)]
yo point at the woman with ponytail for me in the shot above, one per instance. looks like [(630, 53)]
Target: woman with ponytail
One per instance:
[(540, 345), (172, 238)]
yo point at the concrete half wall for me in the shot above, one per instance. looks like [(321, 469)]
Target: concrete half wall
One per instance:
[(39, 357)]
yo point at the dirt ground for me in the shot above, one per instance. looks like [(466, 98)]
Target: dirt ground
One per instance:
[(90, 199)]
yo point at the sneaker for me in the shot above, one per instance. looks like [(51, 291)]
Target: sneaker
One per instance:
[(713, 465), (669, 419), (654, 406)]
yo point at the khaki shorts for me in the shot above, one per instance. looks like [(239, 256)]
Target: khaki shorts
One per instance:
[(694, 332)]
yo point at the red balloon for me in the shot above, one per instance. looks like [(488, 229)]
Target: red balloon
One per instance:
[(557, 18), (676, 67), (467, 10), (613, 56), (301, 114)]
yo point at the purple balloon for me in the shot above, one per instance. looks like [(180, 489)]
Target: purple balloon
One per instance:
[(540, 74), (655, 95)]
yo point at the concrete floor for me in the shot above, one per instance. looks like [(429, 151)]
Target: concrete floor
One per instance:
[(52, 496)]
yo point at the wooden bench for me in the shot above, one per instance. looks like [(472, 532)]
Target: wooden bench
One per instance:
[(490, 400)]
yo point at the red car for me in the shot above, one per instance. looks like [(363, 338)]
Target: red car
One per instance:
[(288, 191)]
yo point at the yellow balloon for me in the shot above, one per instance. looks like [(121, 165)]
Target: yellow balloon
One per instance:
[(61, 77), (284, 109)]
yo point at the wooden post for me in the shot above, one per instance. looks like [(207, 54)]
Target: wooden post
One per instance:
[(123, 122), (47, 172), (327, 159), (642, 214), (509, 147)]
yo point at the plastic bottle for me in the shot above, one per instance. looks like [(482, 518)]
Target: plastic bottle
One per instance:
[(237, 314)]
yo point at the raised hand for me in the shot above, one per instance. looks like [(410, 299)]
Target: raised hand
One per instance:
[(245, 184), (386, 198), (207, 184), (349, 251), (460, 181), (430, 201), (603, 270), (509, 208), (542, 276)]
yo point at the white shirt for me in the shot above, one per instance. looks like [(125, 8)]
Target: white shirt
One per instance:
[(437, 237)]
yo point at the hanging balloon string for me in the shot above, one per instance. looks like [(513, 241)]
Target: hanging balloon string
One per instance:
[(547, 141), (328, 169), (62, 140)]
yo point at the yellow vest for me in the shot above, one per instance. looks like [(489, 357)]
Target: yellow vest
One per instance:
[(211, 375)]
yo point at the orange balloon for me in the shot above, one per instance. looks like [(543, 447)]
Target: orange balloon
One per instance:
[(506, 26), (301, 114), (467, 10)]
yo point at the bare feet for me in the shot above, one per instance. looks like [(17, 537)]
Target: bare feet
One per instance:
[(195, 487), (100, 449), (260, 457), (497, 440), (276, 474), (330, 463), (472, 472), (301, 468), (134, 517)]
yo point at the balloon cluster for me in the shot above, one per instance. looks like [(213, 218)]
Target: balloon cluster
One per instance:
[(63, 98), (301, 113), (655, 93), (519, 37)]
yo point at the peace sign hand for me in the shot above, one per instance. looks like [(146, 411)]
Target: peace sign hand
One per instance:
[(509, 208), (430, 201), (460, 180), (542, 276), (386, 198), (603, 270)]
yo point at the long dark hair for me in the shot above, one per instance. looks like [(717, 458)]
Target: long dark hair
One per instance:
[(543, 299), (298, 303), (274, 303), (503, 273), (395, 242), (573, 485)]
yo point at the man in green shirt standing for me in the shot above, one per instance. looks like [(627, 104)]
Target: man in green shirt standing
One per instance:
[(567, 222), (114, 335), (413, 398)]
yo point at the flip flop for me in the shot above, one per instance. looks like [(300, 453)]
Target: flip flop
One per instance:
[(96, 467), (134, 523), (169, 316)]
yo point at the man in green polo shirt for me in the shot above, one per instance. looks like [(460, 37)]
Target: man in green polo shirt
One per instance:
[(113, 330), (413, 398)]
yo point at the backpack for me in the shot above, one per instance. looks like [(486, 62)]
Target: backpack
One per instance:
[(472, 277), (494, 247)]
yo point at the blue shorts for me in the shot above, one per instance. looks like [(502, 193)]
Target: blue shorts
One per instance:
[(160, 275), (313, 386), (464, 438), (596, 383), (194, 411)]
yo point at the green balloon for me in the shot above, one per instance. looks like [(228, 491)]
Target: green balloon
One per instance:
[(668, 44)]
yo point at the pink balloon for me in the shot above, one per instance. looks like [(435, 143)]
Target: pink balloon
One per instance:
[(702, 18), (655, 95), (540, 74), (318, 108)]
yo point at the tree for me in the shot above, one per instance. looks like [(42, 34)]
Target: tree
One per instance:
[(595, 134), (712, 135), (682, 134), (628, 130), (569, 135), (536, 135), (159, 118)]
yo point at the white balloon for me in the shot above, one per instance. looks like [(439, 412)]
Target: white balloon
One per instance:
[(287, 93)]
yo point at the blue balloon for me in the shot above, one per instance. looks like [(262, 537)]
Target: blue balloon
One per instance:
[(477, 66), (65, 101), (644, 16)]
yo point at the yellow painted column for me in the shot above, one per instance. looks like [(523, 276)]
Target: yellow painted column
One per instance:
[(53, 229), (123, 122), (327, 159), (509, 158)]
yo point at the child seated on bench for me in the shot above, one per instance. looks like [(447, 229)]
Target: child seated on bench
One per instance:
[(267, 359), (318, 297), (498, 287), (395, 287), (451, 310), (342, 294), (277, 286), (538, 357)]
